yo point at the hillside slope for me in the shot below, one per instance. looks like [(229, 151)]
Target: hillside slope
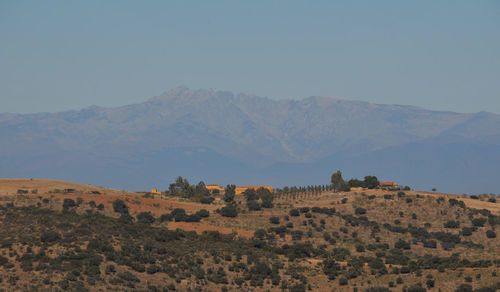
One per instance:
[(305, 241)]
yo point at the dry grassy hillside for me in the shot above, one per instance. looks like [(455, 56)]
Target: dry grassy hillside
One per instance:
[(34, 186), (310, 241)]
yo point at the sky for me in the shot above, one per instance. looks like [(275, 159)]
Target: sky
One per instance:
[(62, 55)]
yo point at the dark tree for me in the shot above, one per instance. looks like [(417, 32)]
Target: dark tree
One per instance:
[(337, 181), (229, 193), (371, 181)]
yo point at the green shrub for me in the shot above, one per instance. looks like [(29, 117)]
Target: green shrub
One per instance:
[(451, 224), (274, 220), (119, 206), (50, 236), (230, 210), (145, 218)]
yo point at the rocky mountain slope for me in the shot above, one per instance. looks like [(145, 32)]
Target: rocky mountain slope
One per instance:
[(224, 138)]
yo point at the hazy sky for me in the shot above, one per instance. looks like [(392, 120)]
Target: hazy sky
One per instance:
[(59, 55)]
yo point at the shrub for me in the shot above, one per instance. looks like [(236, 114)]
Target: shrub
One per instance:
[(179, 215), (165, 217), (203, 213), (110, 269), (274, 220), (429, 283), (401, 244), (360, 211), (259, 234), (3, 260), (192, 218), (206, 200), (294, 212), (491, 234), (478, 222), (452, 224), (230, 210), (68, 203), (119, 206), (50, 236), (145, 218), (153, 269), (297, 234), (253, 205), (430, 243), (343, 281)]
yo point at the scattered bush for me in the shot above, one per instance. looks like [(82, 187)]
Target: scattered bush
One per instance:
[(120, 207), (274, 220), (491, 234)]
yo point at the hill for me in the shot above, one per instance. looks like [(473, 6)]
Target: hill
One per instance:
[(222, 137), (309, 240)]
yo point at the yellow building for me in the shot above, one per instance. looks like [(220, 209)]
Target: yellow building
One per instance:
[(155, 191), (213, 187), (241, 189), (358, 189)]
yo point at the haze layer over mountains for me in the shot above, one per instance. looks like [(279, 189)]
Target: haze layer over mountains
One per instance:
[(219, 137)]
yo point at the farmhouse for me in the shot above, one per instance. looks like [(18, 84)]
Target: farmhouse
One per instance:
[(388, 185), (213, 187), (241, 189)]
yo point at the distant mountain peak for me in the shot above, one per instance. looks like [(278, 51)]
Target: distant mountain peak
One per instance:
[(245, 131)]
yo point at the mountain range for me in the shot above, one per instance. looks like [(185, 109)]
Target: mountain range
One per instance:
[(219, 137)]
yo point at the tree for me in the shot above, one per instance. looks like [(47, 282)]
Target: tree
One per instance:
[(250, 195), (266, 197), (371, 181), (229, 193), (355, 183), (338, 182)]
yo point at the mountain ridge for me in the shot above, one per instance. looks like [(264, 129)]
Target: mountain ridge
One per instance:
[(255, 131)]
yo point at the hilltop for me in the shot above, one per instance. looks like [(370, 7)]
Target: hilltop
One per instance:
[(102, 240), (223, 137)]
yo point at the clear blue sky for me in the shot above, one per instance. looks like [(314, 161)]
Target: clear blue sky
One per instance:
[(59, 55)]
